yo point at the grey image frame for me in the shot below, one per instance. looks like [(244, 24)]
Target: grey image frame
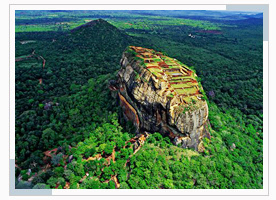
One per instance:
[(264, 8)]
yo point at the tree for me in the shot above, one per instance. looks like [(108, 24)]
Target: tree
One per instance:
[(56, 159), (109, 148), (67, 174), (111, 185), (52, 182), (49, 138), (59, 171)]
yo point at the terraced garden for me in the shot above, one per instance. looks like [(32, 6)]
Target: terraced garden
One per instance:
[(181, 80)]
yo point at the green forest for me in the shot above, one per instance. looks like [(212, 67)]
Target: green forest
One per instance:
[(66, 116)]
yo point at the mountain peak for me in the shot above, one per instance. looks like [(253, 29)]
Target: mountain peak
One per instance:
[(92, 23)]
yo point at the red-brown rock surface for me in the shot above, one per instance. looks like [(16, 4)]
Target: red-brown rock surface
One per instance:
[(160, 94)]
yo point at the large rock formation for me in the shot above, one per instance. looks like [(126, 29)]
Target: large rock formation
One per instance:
[(160, 94)]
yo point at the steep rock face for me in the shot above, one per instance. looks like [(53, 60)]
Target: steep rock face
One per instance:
[(160, 94)]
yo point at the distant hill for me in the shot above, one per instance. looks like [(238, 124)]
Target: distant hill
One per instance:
[(96, 36), (92, 23), (89, 50), (99, 33)]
